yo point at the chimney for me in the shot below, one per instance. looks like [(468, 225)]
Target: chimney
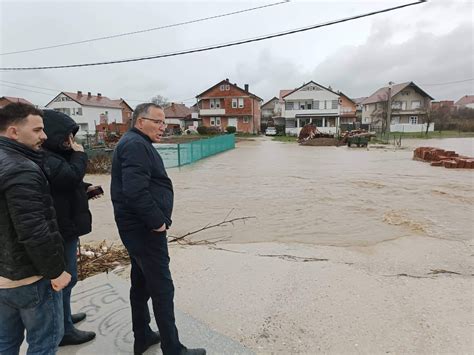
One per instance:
[(99, 95), (246, 86), (79, 93), (89, 94), (227, 80)]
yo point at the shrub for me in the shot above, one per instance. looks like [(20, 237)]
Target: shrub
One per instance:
[(202, 130), (231, 129)]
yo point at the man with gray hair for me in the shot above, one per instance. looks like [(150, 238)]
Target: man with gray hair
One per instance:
[(142, 195)]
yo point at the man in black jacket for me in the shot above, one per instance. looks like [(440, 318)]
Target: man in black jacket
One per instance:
[(142, 195), (32, 268), (66, 164)]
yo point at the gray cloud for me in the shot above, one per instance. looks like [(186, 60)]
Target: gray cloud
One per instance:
[(424, 58)]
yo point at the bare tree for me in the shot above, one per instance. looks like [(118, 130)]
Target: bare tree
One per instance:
[(160, 100)]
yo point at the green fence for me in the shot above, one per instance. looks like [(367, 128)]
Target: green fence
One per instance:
[(175, 155)]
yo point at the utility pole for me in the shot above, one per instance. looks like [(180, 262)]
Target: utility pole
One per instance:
[(389, 108)]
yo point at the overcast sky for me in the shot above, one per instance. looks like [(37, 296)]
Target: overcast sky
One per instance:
[(431, 43)]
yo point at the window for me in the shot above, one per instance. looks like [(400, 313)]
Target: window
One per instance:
[(227, 87), (413, 119), (395, 119), (218, 121), (241, 102), (222, 88), (288, 105), (415, 104), (396, 105), (246, 120), (325, 105), (215, 103), (316, 104), (79, 112), (334, 104), (309, 105), (301, 105), (234, 103), (213, 121)]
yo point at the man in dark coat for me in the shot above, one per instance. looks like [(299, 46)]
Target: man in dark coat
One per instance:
[(142, 195), (32, 271), (66, 164)]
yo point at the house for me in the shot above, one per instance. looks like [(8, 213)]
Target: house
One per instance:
[(268, 110), (312, 103), (467, 101), (409, 107), (226, 104), (6, 100), (272, 110), (90, 110), (348, 108), (359, 106), (176, 116), (445, 105)]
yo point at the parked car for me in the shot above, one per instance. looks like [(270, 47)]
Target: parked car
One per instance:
[(271, 131)]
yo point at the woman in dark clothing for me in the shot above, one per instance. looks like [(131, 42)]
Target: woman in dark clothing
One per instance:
[(65, 165)]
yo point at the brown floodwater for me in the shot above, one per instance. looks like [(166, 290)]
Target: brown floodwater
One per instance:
[(325, 195)]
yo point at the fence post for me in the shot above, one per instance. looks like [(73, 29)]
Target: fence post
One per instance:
[(179, 155)]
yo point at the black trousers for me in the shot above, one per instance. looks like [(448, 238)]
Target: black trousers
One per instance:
[(151, 278)]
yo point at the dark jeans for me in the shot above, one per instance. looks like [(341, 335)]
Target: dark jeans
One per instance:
[(70, 256), (151, 278), (36, 308)]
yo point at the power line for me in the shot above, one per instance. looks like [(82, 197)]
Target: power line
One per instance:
[(58, 90), (449, 82), (147, 30), (230, 44), (13, 87), (31, 86)]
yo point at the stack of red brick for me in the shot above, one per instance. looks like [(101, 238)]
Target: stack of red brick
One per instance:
[(441, 157)]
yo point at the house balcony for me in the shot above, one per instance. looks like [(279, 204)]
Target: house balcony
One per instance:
[(212, 112)]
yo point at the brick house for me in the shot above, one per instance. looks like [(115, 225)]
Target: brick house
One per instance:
[(6, 100), (226, 104), (176, 116)]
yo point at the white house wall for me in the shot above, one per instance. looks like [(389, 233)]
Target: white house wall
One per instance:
[(90, 115)]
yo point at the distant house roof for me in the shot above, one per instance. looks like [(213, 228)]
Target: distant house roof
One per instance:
[(177, 111), (359, 100), (284, 93), (270, 101), (310, 82), (120, 101), (227, 82), (382, 93), (16, 99), (347, 97), (465, 100), (92, 100)]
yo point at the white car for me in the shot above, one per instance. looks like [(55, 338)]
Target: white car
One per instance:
[(271, 131)]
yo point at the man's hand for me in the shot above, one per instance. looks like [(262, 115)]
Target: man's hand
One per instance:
[(60, 282), (75, 146), (161, 229)]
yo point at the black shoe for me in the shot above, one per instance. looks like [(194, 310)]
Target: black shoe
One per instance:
[(78, 317), (198, 351), (152, 339), (77, 337)]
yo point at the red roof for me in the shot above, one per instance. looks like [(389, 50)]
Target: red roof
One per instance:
[(227, 82), (466, 99), (177, 111), (382, 93), (16, 99), (93, 100), (284, 93)]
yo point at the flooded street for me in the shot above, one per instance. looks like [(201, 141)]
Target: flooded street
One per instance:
[(351, 251), (325, 195)]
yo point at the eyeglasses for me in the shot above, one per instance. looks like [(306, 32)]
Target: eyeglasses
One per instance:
[(158, 122)]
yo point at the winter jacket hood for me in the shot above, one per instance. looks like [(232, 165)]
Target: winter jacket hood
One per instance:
[(57, 127)]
